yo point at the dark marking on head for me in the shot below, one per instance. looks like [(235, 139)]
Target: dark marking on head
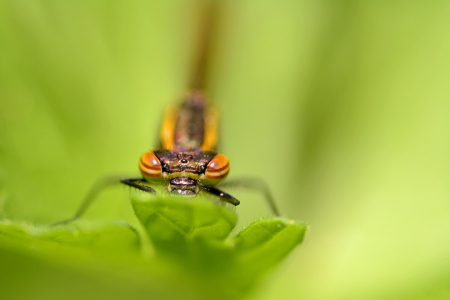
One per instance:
[(189, 161)]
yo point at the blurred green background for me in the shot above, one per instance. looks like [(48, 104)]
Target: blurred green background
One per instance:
[(342, 106)]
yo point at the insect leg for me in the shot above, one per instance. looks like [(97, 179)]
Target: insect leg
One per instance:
[(95, 190), (139, 184), (223, 196), (99, 186), (256, 185)]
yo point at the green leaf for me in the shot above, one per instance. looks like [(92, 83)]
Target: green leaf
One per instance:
[(193, 233), (191, 239), (176, 224), (100, 239), (264, 244)]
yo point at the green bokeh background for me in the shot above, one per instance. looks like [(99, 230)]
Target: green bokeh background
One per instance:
[(342, 106)]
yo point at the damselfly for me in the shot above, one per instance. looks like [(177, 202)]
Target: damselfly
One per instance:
[(186, 162)]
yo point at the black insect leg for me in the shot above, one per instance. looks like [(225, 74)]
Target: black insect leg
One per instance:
[(256, 185), (139, 184), (223, 196), (99, 186), (95, 190)]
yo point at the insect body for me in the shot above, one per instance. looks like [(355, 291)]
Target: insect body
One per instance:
[(186, 161)]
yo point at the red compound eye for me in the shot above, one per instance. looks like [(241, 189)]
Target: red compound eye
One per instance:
[(217, 169), (150, 166)]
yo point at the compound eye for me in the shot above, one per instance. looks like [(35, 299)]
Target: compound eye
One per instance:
[(150, 166), (217, 170)]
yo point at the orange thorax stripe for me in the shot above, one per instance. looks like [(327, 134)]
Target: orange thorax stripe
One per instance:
[(210, 129), (168, 128), (211, 119)]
